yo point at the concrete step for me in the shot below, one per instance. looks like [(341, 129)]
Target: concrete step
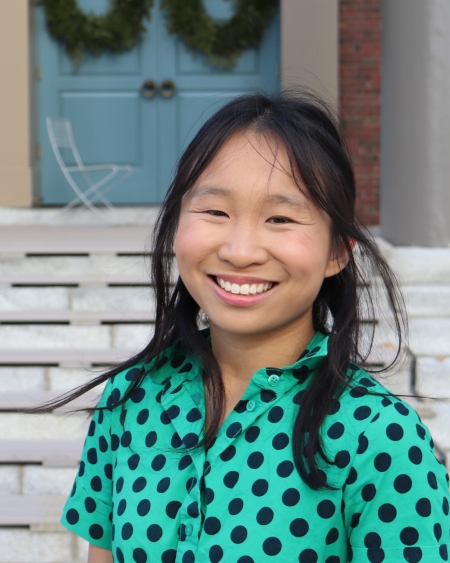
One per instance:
[(18, 426), (49, 453), (420, 265), (58, 269), (41, 239), (13, 401), (433, 377), (427, 301), (430, 336), (33, 479), (53, 336), (20, 378), (63, 357), (86, 317)]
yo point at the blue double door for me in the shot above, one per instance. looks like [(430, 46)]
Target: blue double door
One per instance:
[(140, 107)]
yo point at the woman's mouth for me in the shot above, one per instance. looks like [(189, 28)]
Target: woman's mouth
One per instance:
[(244, 289)]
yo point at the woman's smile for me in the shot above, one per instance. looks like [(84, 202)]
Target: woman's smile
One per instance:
[(240, 294)]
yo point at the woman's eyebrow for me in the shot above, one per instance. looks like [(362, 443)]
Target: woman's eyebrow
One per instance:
[(289, 200), (204, 191)]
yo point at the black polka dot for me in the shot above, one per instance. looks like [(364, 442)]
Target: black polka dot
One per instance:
[(326, 509), (212, 525), (358, 392), (445, 506), (415, 455), (122, 507), (372, 540), (92, 456), (394, 432), (96, 484), (235, 506), (90, 505), (163, 485), (154, 533), (264, 516), (336, 430), (127, 531), (188, 557), (172, 508), (354, 522), (368, 492), (252, 433), (184, 462), (423, 507), (443, 552), (125, 441), (169, 556), (255, 460), (285, 468), (275, 414), (96, 531), (352, 476), (409, 536), (228, 453), (280, 441), (271, 546), (72, 516), (139, 484), (139, 555), (230, 479), (402, 484), (332, 536), (335, 406), (133, 461), (363, 443), (108, 470), (193, 510), (215, 554), (421, 432), (437, 530), (234, 429), (119, 555), (342, 459), (363, 412), (432, 481), (290, 497), (382, 462), (299, 527), (308, 556), (412, 554), (260, 487), (193, 415), (267, 395), (142, 417), (375, 555), (143, 508), (238, 534), (400, 408), (150, 439), (119, 484)]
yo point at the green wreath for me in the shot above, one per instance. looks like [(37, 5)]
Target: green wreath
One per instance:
[(119, 29), (221, 42)]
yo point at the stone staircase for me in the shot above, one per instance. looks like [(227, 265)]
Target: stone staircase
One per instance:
[(73, 300), (76, 299)]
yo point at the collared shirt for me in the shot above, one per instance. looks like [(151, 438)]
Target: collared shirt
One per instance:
[(243, 501)]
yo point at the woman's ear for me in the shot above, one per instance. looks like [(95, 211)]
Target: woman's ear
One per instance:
[(339, 258)]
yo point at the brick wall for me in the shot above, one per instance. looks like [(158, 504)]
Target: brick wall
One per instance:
[(360, 83)]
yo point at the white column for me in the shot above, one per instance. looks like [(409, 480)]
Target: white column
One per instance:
[(310, 46), (415, 123), (15, 168)]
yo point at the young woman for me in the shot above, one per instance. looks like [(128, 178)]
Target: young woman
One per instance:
[(259, 438)]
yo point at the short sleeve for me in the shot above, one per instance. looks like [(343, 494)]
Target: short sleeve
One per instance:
[(396, 498), (88, 510)]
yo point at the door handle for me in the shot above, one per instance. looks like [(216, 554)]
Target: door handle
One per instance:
[(149, 88), (167, 88)]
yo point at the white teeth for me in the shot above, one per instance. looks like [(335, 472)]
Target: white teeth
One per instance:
[(244, 289)]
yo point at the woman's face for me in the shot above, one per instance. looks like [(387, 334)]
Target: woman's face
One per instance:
[(251, 248)]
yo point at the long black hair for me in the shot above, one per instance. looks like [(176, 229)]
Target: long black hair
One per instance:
[(321, 166)]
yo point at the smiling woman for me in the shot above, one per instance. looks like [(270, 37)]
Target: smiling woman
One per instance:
[(260, 436)]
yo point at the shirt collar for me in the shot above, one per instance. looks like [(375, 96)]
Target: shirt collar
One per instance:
[(174, 367)]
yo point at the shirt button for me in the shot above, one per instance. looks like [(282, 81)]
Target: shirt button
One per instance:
[(273, 380), (188, 529), (250, 405)]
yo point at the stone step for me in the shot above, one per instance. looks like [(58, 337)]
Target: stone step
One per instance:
[(19, 378), (427, 301), (19, 426), (86, 317), (31, 510), (132, 337), (41, 544), (13, 401), (42, 239), (433, 377), (420, 265), (74, 269), (430, 336), (50, 453), (73, 358), (117, 299)]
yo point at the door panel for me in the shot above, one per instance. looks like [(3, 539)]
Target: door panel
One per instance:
[(113, 122)]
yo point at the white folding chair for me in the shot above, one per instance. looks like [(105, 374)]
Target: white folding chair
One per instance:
[(61, 137)]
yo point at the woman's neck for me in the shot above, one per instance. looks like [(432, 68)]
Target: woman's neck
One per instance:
[(241, 355)]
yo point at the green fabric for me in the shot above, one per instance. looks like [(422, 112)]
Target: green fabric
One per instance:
[(245, 501)]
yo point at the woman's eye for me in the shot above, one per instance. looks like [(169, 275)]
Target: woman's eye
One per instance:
[(216, 213), (280, 220)]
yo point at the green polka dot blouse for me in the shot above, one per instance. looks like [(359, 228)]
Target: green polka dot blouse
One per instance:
[(244, 502)]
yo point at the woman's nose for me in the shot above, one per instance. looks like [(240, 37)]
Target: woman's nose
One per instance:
[(242, 248)]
